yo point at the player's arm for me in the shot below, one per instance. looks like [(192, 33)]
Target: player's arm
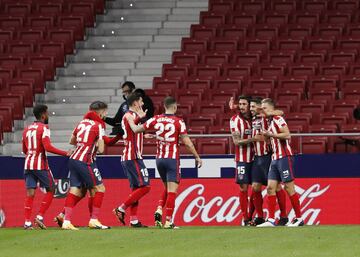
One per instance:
[(191, 148), (100, 142), (111, 140), (72, 140), (276, 113), (24, 147), (258, 138), (284, 133), (48, 145), (240, 141), (135, 128)]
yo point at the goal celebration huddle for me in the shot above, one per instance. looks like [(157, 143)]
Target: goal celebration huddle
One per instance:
[(263, 158)]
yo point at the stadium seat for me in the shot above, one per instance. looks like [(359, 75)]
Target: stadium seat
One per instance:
[(86, 10), (250, 6), (50, 9), (164, 83), (181, 58), (55, 49), (233, 32), (196, 129), (16, 101), (292, 82), (48, 62), (257, 44), (243, 19), (64, 36), (223, 45), (221, 7), (237, 70), (25, 87), (303, 119), (211, 18), (323, 82), (328, 94), (211, 108), (298, 30), (40, 21), (171, 71), (350, 82), (271, 70), (294, 95), (247, 58), (207, 71), (262, 83), (351, 94), (191, 45), (213, 146), (281, 57), (303, 69), (6, 119), (314, 145), (38, 74), (228, 83), (309, 56), (283, 6), (334, 118), (215, 59), (345, 5), (73, 22), (316, 108), (11, 22), (199, 31), (197, 83)]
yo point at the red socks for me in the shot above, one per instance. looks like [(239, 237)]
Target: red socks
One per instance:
[(90, 204), (45, 204), (281, 197), (133, 211), (258, 202), (28, 207), (96, 205), (170, 205), (271, 206), (136, 195), (251, 206), (70, 202), (296, 204), (244, 204), (162, 200)]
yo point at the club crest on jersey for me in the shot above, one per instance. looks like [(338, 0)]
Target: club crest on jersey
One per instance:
[(248, 132), (62, 188)]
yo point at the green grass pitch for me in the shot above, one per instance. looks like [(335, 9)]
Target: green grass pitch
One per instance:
[(309, 241)]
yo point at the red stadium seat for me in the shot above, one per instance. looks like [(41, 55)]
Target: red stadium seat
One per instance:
[(16, 101), (197, 84), (199, 120), (246, 58), (327, 30), (281, 57), (257, 93), (221, 7), (55, 49), (215, 59), (309, 56), (243, 19), (323, 94), (345, 5), (337, 18), (64, 36), (213, 146), (314, 145), (294, 95), (24, 87), (271, 70), (86, 10), (17, 60), (190, 95), (251, 6), (352, 30), (11, 22), (334, 118), (316, 108), (237, 70), (304, 17), (350, 82), (30, 35), (320, 43), (232, 32), (181, 58), (211, 108), (35, 21), (289, 44), (20, 47), (37, 74), (265, 31), (283, 5), (351, 94), (222, 95), (303, 119), (262, 83), (196, 130), (228, 83), (298, 30), (207, 71), (333, 69), (50, 9), (171, 71), (348, 43), (6, 119), (223, 45), (190, 45), (324, 82), (219, 130), (39, 60), (6, 35), (211, 18), (303, 69), (73, 22), (292, 82), (257, 44), (17, 8), (164, 83), (202, 31)]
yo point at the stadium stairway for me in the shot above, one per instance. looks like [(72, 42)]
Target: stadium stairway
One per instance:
[(130, 41)]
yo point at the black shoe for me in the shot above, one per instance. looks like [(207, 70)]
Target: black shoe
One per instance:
[(246, 223), (158, 219), (257, 221), (138, 225), (120, 215), (282, 221)]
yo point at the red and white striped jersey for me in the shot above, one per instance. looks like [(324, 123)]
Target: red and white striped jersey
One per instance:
[(87, 133), (260, 124), (133, 141), (242, 126), (280, 147), (32, 139), (168, 128)]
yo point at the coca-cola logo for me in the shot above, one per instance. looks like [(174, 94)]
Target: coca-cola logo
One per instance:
[(2, 218), (61, 188), (196, 206)]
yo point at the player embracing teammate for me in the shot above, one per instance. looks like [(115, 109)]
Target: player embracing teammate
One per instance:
[(169, 130)]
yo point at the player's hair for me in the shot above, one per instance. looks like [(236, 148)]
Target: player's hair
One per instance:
[(256, 100), (132, 98), (130, 84), (97, 105), (39, 110), (169, 101), (140, 92), (268, 101), (244, 97)]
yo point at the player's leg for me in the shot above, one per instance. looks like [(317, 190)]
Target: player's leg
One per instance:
[(139, 182), (46, 181), (281, 198), (273, 181), (243, 179), (75, 194), (259, 178), (173, 177), (286, 168), (161, 167), (31, 184)]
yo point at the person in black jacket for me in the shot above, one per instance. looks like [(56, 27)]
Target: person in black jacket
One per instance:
[(128, 87)]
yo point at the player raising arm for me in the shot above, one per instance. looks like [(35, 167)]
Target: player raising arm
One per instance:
[(36, 142), (169, 130), (133, 164), (281, 167)]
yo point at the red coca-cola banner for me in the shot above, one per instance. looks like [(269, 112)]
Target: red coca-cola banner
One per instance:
[(200, 202)]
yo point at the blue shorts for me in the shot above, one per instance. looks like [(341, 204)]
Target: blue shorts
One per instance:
[(243, 173), (169, 170), (83, 174), (136, 172), (282, 169), (43, 177), (260, 169)]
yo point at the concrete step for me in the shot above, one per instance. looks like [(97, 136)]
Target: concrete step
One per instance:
[(111, 45), (103, 85), (117, 38), (177, 24), (129, 25), (110, 52), (137, 12), (159, 51), (74, 80), (132, 18), (93, 72), (102, 65), (144, 72), (192, 4), (184, 17), (186, 10), (166, 38), (149, 65), (103, 59), (175, 31), (77, 99), (80, 92), (121, 31), (156, 58), (141, 4), (161, 45)]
